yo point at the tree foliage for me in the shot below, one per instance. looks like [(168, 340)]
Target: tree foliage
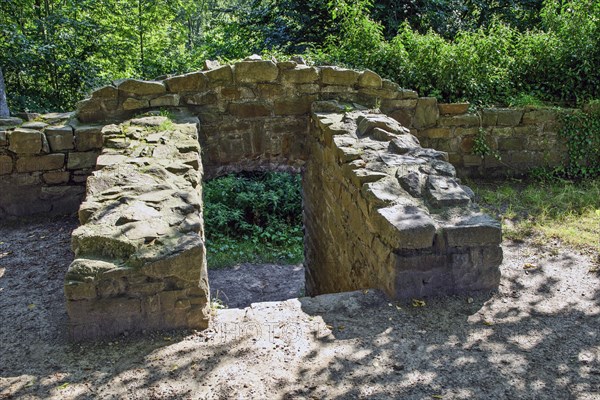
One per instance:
[(53, 52)]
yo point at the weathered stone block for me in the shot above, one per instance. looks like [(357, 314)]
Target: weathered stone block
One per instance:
[(10, 122), (406, 227), (82, 160), (200, 99), (436, 133), (369, 79), (338, 76), (194, 81), (249, 110), (237, 92), (80, 290), (406, 93), (135, 104), (168, 100), (142, 88), (453, 108), (403, 116), (473, 230), (297, 106), (426, 113), (302, 74), (25, 141), (367, 123), (256, 71), (88, 137), (539, 117), (221, 75), (445, 192), (460, 120), (489, 117), (392, 104), (6, 165), (40, 163), (60, 138), (378, 94), (3, 139), (509, 117), (56, 177), (105, 93), (37, 125), (403, 144)]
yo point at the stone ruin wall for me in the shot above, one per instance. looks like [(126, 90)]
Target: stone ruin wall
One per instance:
[(380, 211), (255, 115)]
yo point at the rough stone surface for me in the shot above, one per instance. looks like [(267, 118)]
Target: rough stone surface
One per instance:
[(25, 141), (40, 163), (60, 137), (6, 165), (256, 71), (426, 113), (142, 88), (377, 208), (142, 218)]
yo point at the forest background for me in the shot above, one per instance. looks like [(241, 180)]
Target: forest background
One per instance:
[(499, 52)]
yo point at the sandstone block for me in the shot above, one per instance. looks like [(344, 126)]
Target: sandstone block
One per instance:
[(436, 133), (367, 123), (222, 74), (37, 125), (56, 177), (40, 163), (10, 122), (509, 117), (249, 110), (453, 108), (60, 138), (80, 290), (168, 100), (405, 227), (82, 160), (3, 138), (25, 141), (141, 88), (339, 76), (192, 82), (302, 74), (297, 106), (460, 120), (369, 79), (539, 117), (256, 71), (88, 137), (6, 165), (445, 192), (200, 99), (403, 116), (473, 230), (135, 104), (426, 113), (106, 93), (403, 144), (472, 160)]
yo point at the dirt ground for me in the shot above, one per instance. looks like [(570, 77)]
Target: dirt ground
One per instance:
[(538, 337)]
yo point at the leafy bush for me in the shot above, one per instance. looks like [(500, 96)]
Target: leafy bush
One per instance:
[(253, 217)]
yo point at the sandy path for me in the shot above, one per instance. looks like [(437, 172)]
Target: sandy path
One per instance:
[(537, 338)]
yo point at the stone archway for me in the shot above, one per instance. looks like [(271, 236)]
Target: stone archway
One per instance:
[(380, 211)]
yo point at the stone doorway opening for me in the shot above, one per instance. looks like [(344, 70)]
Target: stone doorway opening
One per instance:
[(254, 237)]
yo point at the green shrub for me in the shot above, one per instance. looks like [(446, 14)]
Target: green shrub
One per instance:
[(253, 217)]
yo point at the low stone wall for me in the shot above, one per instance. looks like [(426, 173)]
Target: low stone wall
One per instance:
[(44, 164), (382, 212), (139, 252), (521, 139)]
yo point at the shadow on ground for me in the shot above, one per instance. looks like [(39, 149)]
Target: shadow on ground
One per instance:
[(536, 338)]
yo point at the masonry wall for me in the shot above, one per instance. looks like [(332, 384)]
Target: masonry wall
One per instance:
[(44, 164), (255, 115), (382, 212)]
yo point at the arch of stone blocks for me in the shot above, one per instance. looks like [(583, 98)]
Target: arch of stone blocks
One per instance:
[(380, 211)]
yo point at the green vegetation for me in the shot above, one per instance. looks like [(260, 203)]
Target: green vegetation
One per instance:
[(253, 217), (485, 52), (563, 210), (582, 133)]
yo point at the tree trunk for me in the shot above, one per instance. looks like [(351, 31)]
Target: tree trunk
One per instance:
[(4, 112)]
